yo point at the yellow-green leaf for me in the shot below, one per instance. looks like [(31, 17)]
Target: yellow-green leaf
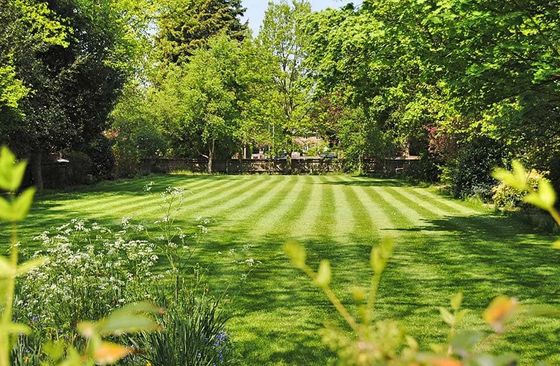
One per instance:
[(447, 316), (7, 269), (296, 253), (547, 193), (456, 301), (545, 198), (22, 205), (516, 179), (130, 318), (324, 274), (5, 209), (556, 244), (11, 173), (17, 328), (30, 265)]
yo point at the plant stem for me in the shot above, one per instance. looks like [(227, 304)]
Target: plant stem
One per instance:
[(8, 307), (372, 298), (335, 301), (555, 215)]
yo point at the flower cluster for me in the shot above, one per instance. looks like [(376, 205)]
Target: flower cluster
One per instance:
[(91, 271)]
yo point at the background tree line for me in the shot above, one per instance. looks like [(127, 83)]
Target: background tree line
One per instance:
[(465, 85)]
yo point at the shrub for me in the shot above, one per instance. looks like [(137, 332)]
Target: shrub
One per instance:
[(470, 174), (80, 168), (425, 170), (100, 151), (510, 198), (193, 332)]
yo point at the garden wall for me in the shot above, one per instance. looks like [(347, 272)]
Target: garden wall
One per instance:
[(389, 167)]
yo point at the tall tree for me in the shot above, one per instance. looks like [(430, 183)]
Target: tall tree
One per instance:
[(197, 102), (283, 35), (186, 25)]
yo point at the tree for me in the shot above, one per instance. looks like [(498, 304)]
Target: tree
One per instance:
[(198, 101), (74, 83), (282, 34), (186, 25)]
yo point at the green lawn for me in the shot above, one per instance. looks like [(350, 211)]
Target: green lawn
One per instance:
[(443, 246)]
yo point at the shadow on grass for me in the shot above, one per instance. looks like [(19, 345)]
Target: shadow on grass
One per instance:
[(370, 182), (485, 256)]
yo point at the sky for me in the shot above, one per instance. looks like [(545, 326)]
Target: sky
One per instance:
[(256, 8)]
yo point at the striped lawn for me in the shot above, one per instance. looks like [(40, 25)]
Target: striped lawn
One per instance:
[(443, 246)]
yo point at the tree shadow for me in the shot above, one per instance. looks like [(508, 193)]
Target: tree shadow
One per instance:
[(370, 182)]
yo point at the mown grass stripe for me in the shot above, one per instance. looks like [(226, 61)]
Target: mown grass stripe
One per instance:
[(344, 220), (295, 212), (152, 207), (362, 231), (308, 226), (238, 200), (326, 219), (153, 200), (202, 207), (253, 213), (378, 215), (103, 201), (424, 205), (406, 213), (445, 202), (268, 224)]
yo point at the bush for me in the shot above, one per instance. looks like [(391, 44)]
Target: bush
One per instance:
[(100, 151), (193, 332), (80, 168), (509, 198), (470, 174)]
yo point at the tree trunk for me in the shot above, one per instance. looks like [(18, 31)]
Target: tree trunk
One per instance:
[(211, 156), (37, 170)]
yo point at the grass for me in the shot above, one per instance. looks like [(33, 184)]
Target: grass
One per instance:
[(443, 246)]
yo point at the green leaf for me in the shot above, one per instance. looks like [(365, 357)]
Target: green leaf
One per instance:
[(11, 173), (17, 328), (18, 172), (447, 316), (30, 265), (547, 193), (380, 256), (7, 269), (296, 253), (324, 274), (456, 301), (545, 198), (516, 179), (22, 205), (130, 318), (556, 244), (5, 209), (464, 341)]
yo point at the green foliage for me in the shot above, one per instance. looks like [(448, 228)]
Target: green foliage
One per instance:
[(193, 331), (509, 194), (470, 175), (282, 35), (185, 26)]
